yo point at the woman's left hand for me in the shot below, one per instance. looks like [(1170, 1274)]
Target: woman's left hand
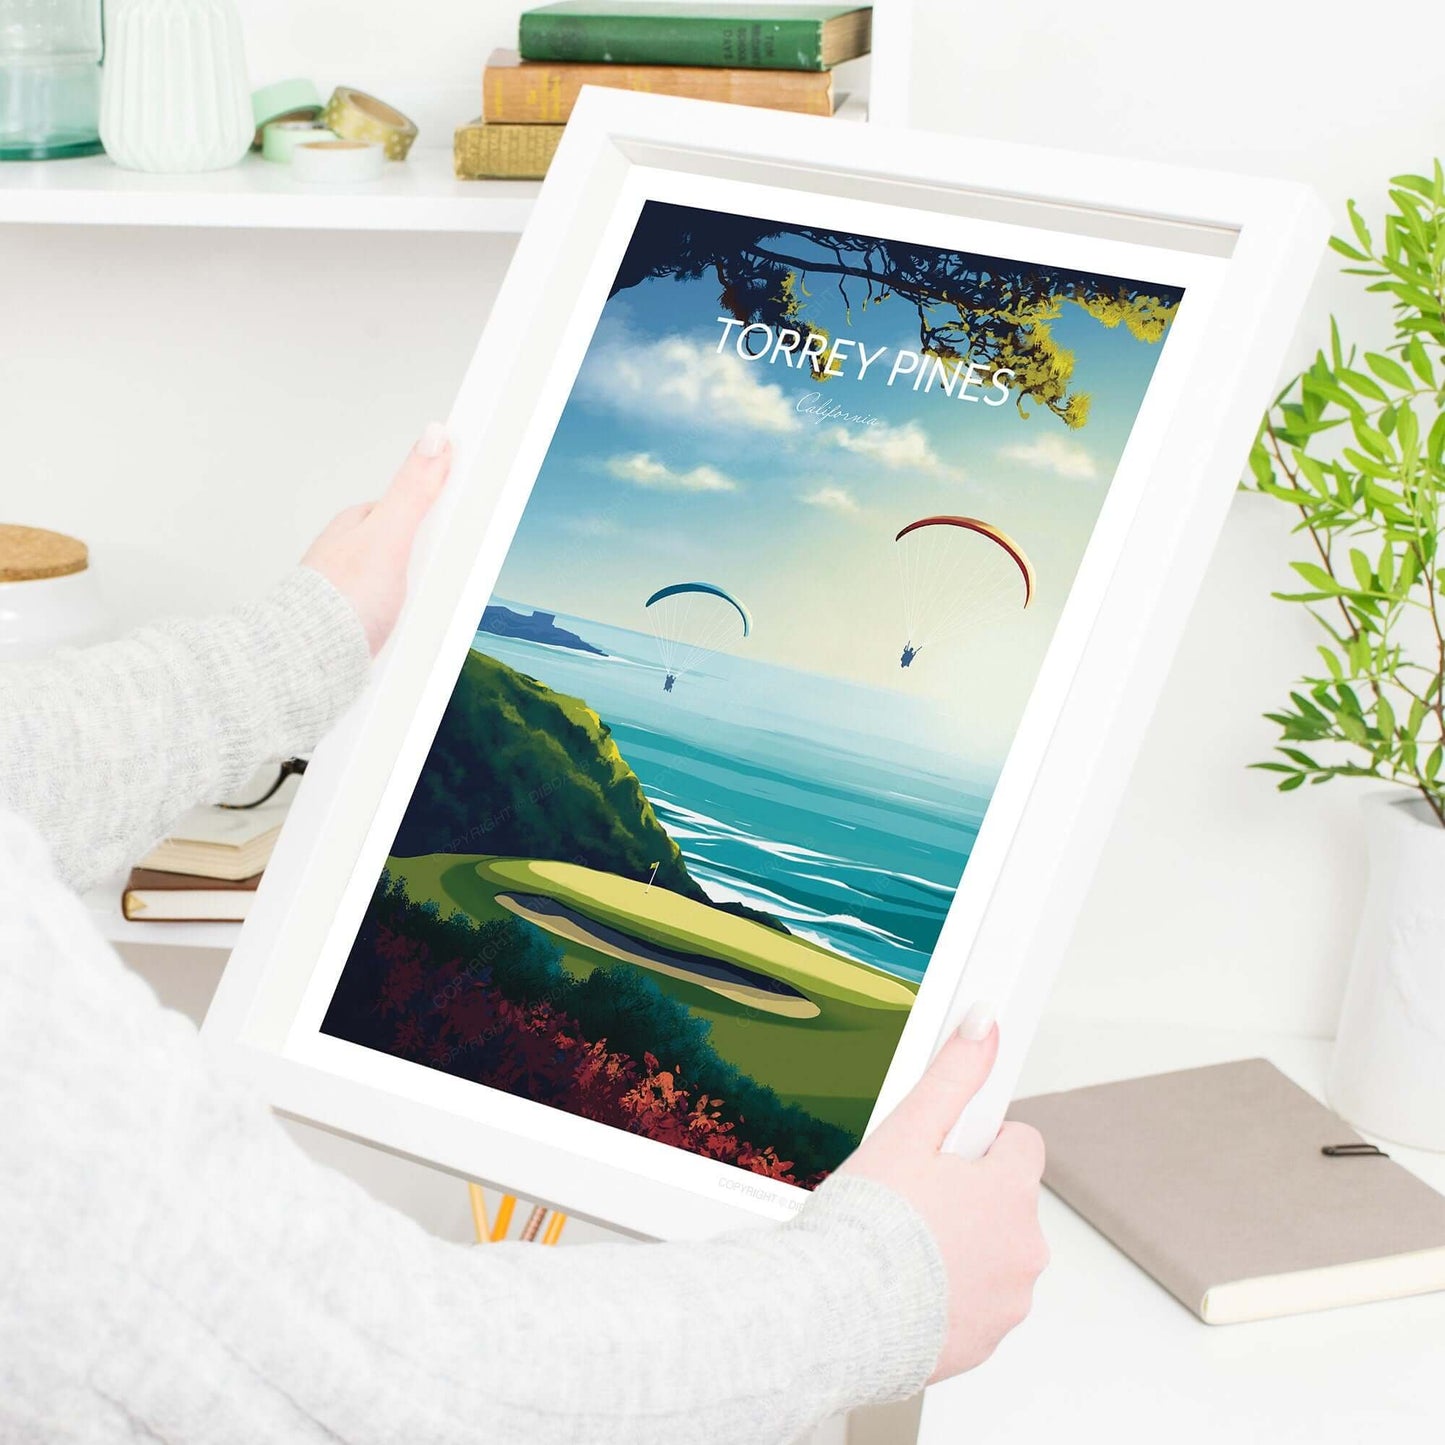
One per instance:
[(364, 552)]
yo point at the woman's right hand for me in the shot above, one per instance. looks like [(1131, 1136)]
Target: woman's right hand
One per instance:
[(983, 1213)]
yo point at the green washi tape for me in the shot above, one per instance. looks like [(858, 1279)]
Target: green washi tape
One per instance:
[(286, 100), (280, 139)]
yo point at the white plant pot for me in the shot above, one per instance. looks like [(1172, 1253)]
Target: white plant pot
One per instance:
[(174, 93), (1387, 1073)]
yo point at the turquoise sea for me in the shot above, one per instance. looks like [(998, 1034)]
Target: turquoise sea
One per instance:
[(806, 796)]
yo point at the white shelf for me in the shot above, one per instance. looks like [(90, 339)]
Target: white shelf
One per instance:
[(418, 194)]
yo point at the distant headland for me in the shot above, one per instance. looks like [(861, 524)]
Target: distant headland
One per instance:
[(538, 627)]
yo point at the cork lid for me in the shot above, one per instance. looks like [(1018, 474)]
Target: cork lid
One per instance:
[(28, 554)]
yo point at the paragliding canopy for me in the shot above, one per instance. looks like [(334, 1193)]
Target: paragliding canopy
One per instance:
[(958, 574), (679, 588), (691, 620)]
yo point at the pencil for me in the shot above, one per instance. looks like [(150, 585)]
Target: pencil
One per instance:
[(479, 1212), (533, 1224), (554, 1228), (504, 1217)]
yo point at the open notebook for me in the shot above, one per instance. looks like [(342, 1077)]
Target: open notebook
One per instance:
[(1213, 1181)]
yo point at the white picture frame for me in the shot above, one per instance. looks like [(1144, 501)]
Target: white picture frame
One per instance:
[(1245, 248)]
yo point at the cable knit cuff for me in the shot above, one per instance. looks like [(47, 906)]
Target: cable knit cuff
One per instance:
[(895, 1273), (309, 660)]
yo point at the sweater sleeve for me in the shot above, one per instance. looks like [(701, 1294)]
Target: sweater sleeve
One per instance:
[(191, 1274), (102, 748)]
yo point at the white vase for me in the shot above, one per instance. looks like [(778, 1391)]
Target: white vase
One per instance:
[(1387, 1072), (174, 94)]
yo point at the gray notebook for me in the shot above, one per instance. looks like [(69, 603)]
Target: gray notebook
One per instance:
[(1213, 1181)]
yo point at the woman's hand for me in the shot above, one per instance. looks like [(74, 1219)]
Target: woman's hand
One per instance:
[(983, 1213), (363, 553)]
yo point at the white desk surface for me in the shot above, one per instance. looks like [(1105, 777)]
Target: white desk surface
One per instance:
[(1107, 1355)]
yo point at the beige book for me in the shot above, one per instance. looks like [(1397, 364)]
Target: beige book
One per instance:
[(224, 843), (1213, 1181), (487, 151)]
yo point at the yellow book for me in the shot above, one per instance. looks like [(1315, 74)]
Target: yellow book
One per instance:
[(484, 150)]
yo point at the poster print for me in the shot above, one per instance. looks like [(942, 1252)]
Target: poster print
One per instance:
[(714, 765)]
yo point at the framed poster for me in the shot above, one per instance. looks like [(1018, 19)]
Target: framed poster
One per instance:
[(823, 513)]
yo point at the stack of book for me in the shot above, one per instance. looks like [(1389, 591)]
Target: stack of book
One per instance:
[(207, 869), (779, 57)]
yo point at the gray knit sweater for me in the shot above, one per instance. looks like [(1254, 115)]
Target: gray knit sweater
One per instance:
[(172, 1268)]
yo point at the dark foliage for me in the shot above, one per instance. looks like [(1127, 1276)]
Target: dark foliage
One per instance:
[(982, 309), (491, 1003)]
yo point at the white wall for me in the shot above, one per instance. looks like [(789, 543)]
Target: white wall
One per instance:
[(195, 404), (1216, 900)]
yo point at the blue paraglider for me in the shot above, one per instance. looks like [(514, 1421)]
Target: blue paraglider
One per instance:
[(692, 620)]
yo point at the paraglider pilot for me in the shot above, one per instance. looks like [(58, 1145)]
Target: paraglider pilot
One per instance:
[(667, 686), (909, 653)]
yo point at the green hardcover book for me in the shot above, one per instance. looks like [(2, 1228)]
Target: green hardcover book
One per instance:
[(747, 37)]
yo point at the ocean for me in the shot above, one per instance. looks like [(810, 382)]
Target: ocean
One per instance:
[(817, 800)]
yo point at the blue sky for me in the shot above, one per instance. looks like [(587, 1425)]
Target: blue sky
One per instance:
[(673, 462)]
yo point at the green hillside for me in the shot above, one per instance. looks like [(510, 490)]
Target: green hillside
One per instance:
[(520, 770)]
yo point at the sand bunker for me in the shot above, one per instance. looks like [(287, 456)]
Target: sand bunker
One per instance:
[(730, 980)]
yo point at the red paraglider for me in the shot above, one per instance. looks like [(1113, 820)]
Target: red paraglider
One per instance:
[(957, 574)]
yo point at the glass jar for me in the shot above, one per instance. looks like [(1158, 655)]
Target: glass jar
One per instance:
[(50, 53)]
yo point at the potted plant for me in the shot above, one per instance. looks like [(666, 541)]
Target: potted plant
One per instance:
[(1356, 444)]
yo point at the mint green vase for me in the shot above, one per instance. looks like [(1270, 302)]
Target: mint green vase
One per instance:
[(50, 54)]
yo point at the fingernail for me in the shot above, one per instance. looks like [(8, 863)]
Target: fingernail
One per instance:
[(976, 1022), (432, 441)]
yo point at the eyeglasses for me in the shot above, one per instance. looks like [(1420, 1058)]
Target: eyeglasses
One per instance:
[(291, 768)]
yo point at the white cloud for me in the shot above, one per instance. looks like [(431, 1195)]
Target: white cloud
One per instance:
[(591, 526), (675, 381), (899, 448), (642, 469), (1054, 453), (834, 499)]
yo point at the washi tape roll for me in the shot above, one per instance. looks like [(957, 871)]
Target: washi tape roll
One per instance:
[(286, 100), (337, 162), (354, 115), (280, 139)]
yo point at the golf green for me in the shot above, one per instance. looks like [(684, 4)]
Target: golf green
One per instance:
[(830, 1061)]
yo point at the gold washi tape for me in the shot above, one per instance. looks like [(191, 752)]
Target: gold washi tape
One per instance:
[(354, 115)]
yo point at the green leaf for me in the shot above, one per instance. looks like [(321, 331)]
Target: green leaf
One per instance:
[(1419, 361), (1386, 569), (1388, 370), (1362, 231), (1364, 573), (1261, 464), (1435, 442), (1385, 718), (1357, 381), (1290, 784), (1415, 183), (1332, 663), (1317, 577)]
